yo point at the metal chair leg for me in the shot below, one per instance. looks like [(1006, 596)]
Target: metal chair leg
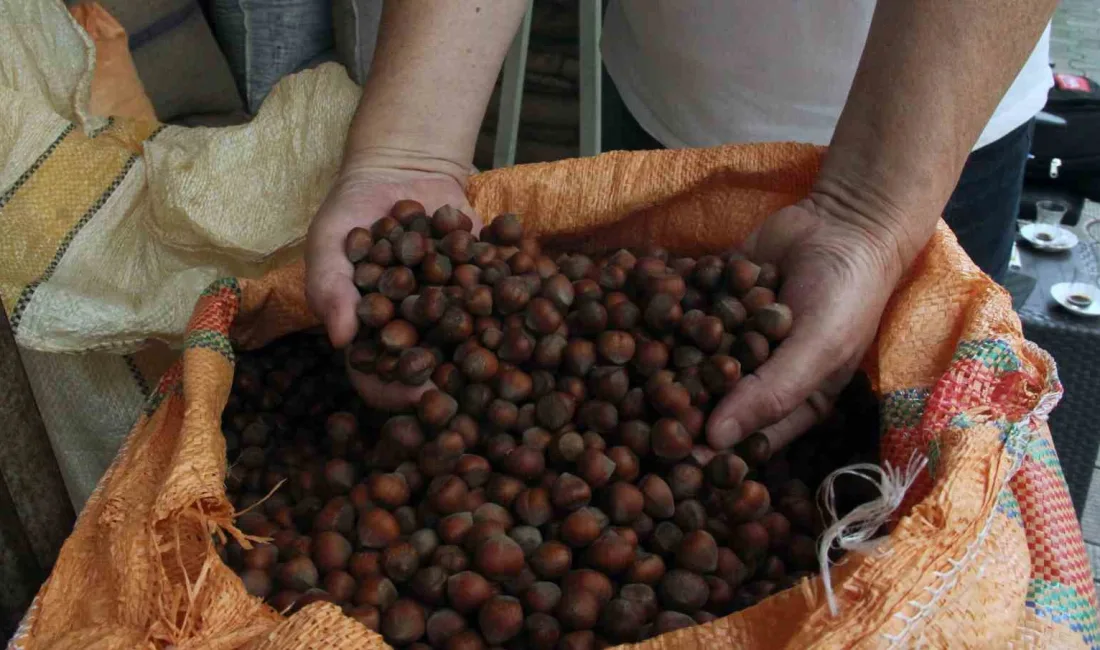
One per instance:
[(591, 20), (511, 95)]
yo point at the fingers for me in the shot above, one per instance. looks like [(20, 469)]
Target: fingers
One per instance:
[(329, 288), (805, 416), (391, 396), (800, 365)]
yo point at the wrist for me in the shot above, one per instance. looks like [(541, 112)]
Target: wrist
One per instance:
[(367, 162), (898, 232)]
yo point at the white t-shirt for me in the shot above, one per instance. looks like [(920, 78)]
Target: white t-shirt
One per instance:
[(711, 72)]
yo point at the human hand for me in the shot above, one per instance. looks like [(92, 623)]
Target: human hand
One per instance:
[(362, 195), (837, 274)]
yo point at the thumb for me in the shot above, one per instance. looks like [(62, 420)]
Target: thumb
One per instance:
[(799, 366), (329, 288)]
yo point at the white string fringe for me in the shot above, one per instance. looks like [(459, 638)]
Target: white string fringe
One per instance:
[(856, 530)]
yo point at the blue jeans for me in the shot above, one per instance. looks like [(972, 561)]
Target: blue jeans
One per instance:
[(982, 210)]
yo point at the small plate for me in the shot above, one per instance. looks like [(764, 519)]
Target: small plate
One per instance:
[(1046, 237), (1080, 298)]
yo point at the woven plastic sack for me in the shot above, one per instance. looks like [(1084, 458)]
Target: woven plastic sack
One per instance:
[(987, 554)]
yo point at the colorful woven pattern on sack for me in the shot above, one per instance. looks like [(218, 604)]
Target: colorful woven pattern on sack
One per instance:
[(32, 246), (984, 382)]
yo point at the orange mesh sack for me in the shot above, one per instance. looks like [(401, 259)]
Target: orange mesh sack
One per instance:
[(986, 552)]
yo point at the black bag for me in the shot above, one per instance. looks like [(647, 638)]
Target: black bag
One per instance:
[(1065, 151)]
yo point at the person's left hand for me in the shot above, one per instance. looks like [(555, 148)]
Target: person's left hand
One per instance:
[(837, 274)]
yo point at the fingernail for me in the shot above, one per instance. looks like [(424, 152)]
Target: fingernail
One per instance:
[(724, 433)]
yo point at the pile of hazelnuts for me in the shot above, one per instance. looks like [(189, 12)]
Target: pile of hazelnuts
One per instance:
[(553, 487)]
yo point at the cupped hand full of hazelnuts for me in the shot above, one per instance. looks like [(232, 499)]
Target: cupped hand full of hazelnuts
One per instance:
[(552, 488)]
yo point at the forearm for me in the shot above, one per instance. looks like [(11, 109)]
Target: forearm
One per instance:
[(432, 74), (932, 73)]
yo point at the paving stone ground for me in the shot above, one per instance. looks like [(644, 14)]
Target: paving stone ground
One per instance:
[(1075, 37)]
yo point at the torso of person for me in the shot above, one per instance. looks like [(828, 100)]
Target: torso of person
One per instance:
[(708, 72)]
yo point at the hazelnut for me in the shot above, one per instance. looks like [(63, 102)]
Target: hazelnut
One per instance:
[(357, 245), (454, 528), (698, 552), (595, 468), (429, 584), (400, 561), (397, 283), (436, 408), (554, 410), (533, 506), (551, 560), (466, 640), (381, 253), (405, 431), (388, 490), (525, 463), (690, 515), (636, 435), (750, 540), (479, 300), (559, 290), (751, 350), (528, 537), (579, 357), (669, 440), (403, 622), (331, 551), (364, 563), (578, 609), (261, 557), (647, 569), (683, 591), (598, 416), (623, 619), (425, 541), (474, 470), (659, 503), (542, 316), (741, 275), (467, 591), (377, 528), (542, 631), (666, 538), (549, 351), (398, 335), (670, 399), (376, 591), (442, 625), (375, 310), (450, 558), (500, 619), (511, 294), (610, 554), (570, 492), (503, 490), (456, 325), (340, 585), (616, 346), (726, 470), (503, 414), (663, 312), (409, 248), (436, 269), (748, 502), (625, 502), (369, 616), (583, 526), (756, 449), (757, 298), (446, 220), (447, 494), (257, 582), (668, 621), (448, 378)]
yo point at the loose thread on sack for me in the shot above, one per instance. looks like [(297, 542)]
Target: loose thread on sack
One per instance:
[(856, 530)]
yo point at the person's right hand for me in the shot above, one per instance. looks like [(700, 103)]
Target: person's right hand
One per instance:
[(361, 196)]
